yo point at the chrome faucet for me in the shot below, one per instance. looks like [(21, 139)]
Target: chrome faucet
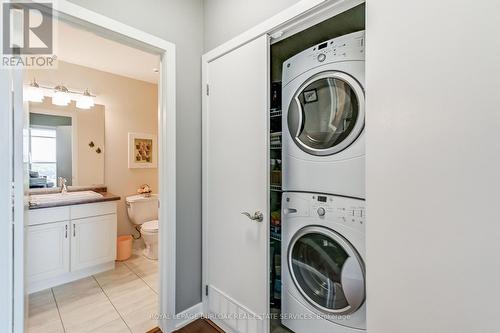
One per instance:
[(62, 185)]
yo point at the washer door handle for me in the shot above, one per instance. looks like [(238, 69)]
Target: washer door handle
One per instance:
[(257, 216)]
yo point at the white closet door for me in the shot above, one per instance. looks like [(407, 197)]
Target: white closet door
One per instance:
[(235, 181)]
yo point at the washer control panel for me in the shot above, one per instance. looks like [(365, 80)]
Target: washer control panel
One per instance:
[(348, 211)]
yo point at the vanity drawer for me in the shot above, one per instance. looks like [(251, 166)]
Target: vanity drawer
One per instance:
[(48, 215), (93, 209)]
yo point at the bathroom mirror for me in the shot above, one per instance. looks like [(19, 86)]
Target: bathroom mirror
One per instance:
[(65, 142)]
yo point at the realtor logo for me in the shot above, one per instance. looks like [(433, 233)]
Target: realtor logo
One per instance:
[(28, 34)]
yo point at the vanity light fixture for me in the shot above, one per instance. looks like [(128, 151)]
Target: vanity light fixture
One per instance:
[(85, 101), (61, 96), (34, 93)]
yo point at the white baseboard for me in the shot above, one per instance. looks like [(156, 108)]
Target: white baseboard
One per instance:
[(35, 286), (188, 316)]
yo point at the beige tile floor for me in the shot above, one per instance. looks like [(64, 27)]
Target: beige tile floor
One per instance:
[(121, 300)]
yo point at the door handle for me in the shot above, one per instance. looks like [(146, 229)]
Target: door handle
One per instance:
[(257, 216), (66, 234), (74, 230)]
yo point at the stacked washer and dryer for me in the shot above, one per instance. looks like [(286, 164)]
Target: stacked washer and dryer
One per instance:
[(323, 208)]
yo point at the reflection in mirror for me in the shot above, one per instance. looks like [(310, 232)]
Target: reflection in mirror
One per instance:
[(59, 145), (50, 150)]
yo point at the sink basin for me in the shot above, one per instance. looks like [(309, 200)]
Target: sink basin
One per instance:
[(68, 197)]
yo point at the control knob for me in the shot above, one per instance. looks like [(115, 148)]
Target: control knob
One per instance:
[(321, 211)]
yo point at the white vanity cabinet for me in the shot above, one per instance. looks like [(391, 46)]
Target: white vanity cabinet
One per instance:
[(69, 243), (93, 241), (48, 250)]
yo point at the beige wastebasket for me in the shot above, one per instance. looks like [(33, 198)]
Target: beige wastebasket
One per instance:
[(124, 247)]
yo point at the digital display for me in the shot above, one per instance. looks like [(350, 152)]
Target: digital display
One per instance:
[(322, 46), (321, 198)]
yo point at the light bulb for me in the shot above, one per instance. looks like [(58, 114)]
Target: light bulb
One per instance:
[(86, 101), (61, 96), (33, 93)]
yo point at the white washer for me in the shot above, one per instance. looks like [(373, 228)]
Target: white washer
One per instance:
[(323, 118), (323, 271)]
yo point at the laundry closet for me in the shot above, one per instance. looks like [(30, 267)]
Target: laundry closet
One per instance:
[(247, 192), (315, 37)]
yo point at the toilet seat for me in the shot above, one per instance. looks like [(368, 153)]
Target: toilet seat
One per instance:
[(150, 226)]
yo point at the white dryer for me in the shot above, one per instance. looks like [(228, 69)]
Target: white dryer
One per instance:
[(323, 270), (323, 118)]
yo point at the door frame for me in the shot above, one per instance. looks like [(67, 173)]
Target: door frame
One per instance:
[(6, 195), (167, 165), (296, 18)]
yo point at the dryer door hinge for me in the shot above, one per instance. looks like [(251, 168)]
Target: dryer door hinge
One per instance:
[(208, 90)]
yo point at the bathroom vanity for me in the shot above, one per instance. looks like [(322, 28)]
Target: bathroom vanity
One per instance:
[(70, 240)]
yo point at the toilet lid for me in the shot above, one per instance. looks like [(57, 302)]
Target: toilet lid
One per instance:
[(151, 226)]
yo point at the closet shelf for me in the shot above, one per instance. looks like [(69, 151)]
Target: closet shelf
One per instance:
[(276, 188), (275, 146), (275, 113)]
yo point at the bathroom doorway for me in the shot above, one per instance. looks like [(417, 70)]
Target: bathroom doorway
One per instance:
[(77, 106)]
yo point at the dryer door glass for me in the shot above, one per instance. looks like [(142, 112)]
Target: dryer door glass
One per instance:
[(318, 261), (327, 113)]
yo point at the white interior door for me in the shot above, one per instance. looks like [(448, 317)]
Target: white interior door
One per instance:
[(20, 177), (236, 181), (13, 206), (6, 239)]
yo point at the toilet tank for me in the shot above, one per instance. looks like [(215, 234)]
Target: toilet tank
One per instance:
[(142, 209)]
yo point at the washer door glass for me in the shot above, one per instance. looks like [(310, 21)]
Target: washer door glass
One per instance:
[(327, 113), (326, 270)]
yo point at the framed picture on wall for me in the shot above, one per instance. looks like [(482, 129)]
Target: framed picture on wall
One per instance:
[(142, 151)]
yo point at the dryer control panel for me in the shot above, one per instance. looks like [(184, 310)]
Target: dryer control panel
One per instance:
[(349, 47), (348, 211)]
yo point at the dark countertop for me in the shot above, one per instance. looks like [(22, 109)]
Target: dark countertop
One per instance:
[(106, 196)]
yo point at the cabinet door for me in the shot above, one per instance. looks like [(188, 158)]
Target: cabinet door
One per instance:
[(93, 241), (48, 250), (236, 121)]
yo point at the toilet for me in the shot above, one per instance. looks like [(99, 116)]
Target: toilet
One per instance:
[(143, 211)]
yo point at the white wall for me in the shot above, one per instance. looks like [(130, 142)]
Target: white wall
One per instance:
[(433, 233), (180, 22), (225, 19)]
